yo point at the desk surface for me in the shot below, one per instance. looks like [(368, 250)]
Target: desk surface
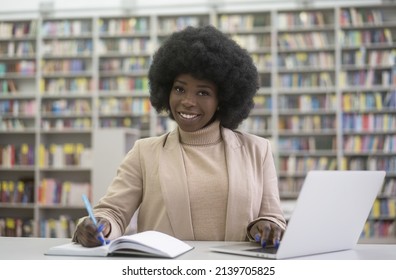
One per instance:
[(14, 248)]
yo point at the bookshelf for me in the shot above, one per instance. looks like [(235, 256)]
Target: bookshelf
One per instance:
[(125, 47), (18, 107), (327, 98), (254, 33), (368, 97), (306, 95)]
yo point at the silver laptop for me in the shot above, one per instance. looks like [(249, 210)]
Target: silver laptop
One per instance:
[(329, 216)]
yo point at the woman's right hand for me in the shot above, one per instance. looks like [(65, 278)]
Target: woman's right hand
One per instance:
[(88, 235)]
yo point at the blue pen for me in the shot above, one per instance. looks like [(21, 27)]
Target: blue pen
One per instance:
[(91, 215)]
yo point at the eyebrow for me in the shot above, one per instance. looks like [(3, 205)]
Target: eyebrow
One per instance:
[(200, 86)]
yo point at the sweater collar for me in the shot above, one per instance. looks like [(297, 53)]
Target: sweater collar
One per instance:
[(208, 135)]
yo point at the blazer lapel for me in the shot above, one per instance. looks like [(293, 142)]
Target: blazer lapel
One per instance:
[(239, 182), (173, 182)]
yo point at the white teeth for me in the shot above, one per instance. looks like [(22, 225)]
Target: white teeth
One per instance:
[(186, 116)]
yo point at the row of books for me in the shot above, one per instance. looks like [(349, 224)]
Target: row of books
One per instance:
[(124, 64), (66, 106), (67, 47), (124, 46), (290, 186), (124, 105), (256, 125), (307, 102), (302, 19), (370, 143), (66, 28), (297, 165), (348, 17), (18, 107), (67, 193), (12, 155), (63, 155), (359, 17), (171, 24), (363, 57), (244, 22), (8, 86), (253, 42), (124, 83), (18, 29), (17, 48), (63, 227), (389, 188), (20, 191), (352, 38), (300, 165), (65, 66), (307, 123), (263, 62), (379, 229), (124, 26), (59, 85), (306, 40), (16, 227), (308, 144), (129, 122), (359, 101), (262, 102), (303, 59), (372, 163), (66, 124), (300, 80), (22, 67), (14, 124), (368, 122), (384, 208), (367, 78), (55, 155)]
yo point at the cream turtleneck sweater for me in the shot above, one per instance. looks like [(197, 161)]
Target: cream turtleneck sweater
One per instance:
[(207, 178)]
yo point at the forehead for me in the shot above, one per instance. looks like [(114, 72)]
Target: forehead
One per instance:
[(190, 79)]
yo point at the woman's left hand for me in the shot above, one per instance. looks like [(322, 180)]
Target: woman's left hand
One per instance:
[(266, 233)]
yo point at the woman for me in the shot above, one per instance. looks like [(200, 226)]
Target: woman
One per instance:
[(203, 180)]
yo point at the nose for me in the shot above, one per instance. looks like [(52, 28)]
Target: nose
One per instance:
[(188, 100)]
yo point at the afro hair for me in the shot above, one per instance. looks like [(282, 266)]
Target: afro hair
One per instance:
[(206, 53)]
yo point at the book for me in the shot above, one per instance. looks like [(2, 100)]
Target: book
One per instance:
[(147, 243)]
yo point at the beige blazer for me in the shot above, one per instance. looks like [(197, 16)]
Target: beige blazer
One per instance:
[(153, 177)]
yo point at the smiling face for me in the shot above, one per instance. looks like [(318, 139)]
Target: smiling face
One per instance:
[(193, 102)]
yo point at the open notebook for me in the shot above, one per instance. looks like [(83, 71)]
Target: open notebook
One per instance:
[(146, 243), (329, 216)]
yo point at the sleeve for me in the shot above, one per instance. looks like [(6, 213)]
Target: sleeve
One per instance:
[(124, 195), (270, 208)]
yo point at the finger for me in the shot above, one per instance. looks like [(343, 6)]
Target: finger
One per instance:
[(87, 234), (277, 231), (91, 240), (104, 226), (257, 237), (265, 233)]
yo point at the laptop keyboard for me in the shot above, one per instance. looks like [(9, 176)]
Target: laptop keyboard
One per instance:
[(268, 250)]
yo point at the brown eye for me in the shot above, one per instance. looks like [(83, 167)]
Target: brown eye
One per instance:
[(203, 93), (179, 89)]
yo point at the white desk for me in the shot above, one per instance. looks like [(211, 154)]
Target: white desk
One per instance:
[(13, 248)]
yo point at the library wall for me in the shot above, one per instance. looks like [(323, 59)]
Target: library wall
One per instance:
[(327, 101)]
